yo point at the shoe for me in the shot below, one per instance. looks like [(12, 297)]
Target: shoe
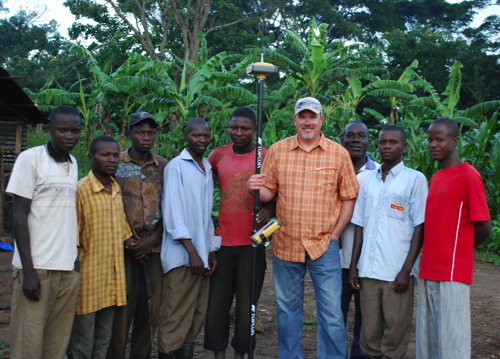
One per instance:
[(186, 352), (170, 355)]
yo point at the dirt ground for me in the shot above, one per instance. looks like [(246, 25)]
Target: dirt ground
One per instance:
[(485, 315)]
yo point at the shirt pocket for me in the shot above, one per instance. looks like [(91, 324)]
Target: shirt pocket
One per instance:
[(397, 206), (324, 179)]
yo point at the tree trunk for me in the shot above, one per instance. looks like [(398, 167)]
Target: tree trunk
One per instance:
[(124, 130), (393, 117)]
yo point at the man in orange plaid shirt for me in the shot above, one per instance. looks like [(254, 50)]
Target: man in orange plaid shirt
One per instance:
[(316, 186)]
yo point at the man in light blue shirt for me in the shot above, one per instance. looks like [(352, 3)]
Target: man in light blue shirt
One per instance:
[(389, 218), (189, 245)]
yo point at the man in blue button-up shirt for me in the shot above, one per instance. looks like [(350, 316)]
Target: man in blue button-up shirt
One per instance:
[(389, 218), (189, 244)]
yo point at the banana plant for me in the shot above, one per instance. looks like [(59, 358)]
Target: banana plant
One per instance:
[(397, 93), (319, 66), (432, 107)]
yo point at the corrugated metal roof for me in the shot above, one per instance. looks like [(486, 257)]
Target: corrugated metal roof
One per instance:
[(15, 104)]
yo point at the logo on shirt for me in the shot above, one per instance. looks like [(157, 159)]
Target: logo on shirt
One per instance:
[(397, 207)]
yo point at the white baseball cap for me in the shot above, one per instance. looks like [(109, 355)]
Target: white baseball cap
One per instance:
[(308, 103)]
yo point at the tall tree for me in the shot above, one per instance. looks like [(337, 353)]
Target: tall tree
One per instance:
[(364, 19), (156, 25), (35, 50), (436, 51)]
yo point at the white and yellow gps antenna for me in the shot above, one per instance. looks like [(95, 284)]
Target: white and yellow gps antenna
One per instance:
[(263, 235), (261, 69)]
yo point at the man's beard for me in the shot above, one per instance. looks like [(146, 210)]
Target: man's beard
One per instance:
[(307, 137)]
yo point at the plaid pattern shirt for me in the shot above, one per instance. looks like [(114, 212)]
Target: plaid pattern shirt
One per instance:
[(311, 187), (102, 229)]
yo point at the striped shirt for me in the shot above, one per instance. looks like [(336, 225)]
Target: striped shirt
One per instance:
[(311, 187), (102, 229), (51, 186)]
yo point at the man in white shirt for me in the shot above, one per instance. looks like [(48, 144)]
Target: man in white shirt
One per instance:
[(189, 244), (43, 184), (389, 218), (356, 140)]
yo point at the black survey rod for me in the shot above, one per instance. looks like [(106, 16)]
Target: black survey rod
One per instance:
[(256, 209)]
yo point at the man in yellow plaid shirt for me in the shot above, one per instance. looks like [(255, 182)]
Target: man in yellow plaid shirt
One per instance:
[(102, 229)]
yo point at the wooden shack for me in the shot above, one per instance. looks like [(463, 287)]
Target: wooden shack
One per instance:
[(16, 112)]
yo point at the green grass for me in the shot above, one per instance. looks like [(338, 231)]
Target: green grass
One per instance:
[(4, 270), (3, 349), (5, 292)]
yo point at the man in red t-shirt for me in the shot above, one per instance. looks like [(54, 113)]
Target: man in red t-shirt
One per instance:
[(232, 165), (456, 220)]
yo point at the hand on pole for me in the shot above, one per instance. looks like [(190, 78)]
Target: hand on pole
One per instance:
[(263, 216), (255, 183)]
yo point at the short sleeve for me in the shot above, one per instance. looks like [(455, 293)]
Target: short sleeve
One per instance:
[(358, 216), (127, 229), (269, 169), (418, 200), (476, 198), (348, 186), (80, 216), (214, 159), (22, 181)]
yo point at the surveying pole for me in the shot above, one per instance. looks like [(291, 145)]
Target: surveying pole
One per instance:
[(261, 69)]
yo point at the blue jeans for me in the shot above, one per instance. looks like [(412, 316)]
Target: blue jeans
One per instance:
[(347, 293), (326, 275)]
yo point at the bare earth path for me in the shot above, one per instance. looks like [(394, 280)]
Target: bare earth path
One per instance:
[(485, 315)]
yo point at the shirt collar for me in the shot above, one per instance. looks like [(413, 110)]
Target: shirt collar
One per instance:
[(369, 165), (53, 154), (396, 170), (295, 142), (97, 186), (185, 155), (126, 158)]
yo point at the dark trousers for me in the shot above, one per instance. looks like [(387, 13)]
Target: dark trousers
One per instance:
[(347, 293), (137, 308), (232, 277)]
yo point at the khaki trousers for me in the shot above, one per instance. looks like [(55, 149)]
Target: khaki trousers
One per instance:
[(387, 318), (183, 309), (41, 330)]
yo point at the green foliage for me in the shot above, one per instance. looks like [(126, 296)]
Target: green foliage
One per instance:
[(4, 350), (492, 245), (342, 77)]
